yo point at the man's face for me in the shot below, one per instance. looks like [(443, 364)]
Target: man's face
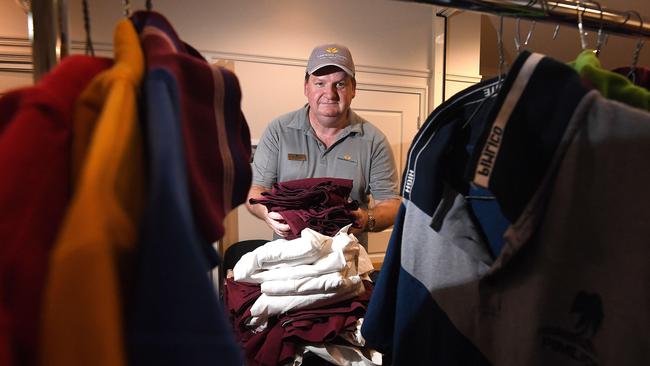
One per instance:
[(329, 92)]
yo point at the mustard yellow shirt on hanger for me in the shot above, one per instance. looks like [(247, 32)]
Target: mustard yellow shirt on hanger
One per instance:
[(93, 255)]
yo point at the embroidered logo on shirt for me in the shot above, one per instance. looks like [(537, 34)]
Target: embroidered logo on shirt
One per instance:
[(297, 157), (346, 157), (587, 309)]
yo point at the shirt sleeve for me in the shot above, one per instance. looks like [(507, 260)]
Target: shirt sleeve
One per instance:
[(384, 183), (265, 160)]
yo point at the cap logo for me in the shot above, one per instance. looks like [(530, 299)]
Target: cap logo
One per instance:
[(332, 50)]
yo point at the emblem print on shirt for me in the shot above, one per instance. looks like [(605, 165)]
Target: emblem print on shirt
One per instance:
[(297, 157), (410, 179), (488, 156), (587, 309)]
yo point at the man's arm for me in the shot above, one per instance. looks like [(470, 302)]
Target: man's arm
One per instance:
[(260, 211), (384, 213)]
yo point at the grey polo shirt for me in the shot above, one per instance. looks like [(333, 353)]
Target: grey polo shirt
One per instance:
[(289, 149)]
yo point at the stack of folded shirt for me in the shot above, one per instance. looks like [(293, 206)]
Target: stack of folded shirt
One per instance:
[(321, 204), (306, 294)]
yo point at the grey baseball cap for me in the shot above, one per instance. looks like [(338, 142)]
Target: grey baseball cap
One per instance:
[(331, 54)]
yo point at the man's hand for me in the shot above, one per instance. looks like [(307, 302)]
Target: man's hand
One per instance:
[(275, 222), (384, 213), (361, 217)]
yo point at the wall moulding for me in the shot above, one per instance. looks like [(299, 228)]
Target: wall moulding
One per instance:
[(464, 78), (216, 55)]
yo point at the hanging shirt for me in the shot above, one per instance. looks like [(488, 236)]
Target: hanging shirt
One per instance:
[(435, 244), (174, 316), (35, 138), (215, 133), (195, 127), (610, 84), (567, 167), (91, 263), (639, 76)]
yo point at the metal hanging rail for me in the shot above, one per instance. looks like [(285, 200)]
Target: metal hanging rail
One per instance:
[(627, 23), (50, 39)]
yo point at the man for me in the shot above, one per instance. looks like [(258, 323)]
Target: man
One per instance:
[(326, 138)]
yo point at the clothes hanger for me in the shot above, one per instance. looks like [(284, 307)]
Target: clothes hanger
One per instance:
[(547, 10), (502, 60), (90, 50), (601, 37), (639, 45), (518, 43), (581, 31), (501, 71), (126, 8), (148, 5)]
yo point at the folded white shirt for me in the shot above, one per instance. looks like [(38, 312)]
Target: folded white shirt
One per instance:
[(280, 253), (339, 254), (332, 262), (341, 355), (309, 285), (266, 306)]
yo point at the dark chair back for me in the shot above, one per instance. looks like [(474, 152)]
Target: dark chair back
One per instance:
[(236, 251)]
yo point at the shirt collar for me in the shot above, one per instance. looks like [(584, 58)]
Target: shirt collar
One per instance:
[(302, 122)]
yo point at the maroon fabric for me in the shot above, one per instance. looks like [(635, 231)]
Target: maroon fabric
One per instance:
[(277, 344), (640, 76), (321, 204), (35, 167), (210, 103)]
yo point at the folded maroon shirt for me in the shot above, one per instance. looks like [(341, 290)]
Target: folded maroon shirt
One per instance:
[(277, 344), (321, 204)]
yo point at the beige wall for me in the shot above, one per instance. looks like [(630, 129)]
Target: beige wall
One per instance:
[(463, 51), (15, 51), (267, 43)]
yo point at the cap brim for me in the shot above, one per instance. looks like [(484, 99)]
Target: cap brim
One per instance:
[(314, 69)]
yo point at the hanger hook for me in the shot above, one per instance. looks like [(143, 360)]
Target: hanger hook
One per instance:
[(90, 50), (502, 62), (547, 11), (601, 36), (639, 43), (126, 8), (518, 43), (583, 40), (148, 5)]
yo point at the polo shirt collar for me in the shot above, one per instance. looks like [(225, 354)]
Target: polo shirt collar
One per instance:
[(302, 122)]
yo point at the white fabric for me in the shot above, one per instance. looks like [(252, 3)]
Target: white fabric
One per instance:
[(354, 337), (309, 285), (266, 306), (331, 277), (365, 263), (279, 253), (332, 262), (340, 254), (345, 355)]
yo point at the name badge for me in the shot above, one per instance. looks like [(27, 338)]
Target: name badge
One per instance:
[(297, 157)]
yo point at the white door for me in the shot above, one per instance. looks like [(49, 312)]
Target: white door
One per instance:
[(397, 114)]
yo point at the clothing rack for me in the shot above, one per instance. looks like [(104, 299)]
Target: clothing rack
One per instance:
[(593, 16), (51, 41)]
